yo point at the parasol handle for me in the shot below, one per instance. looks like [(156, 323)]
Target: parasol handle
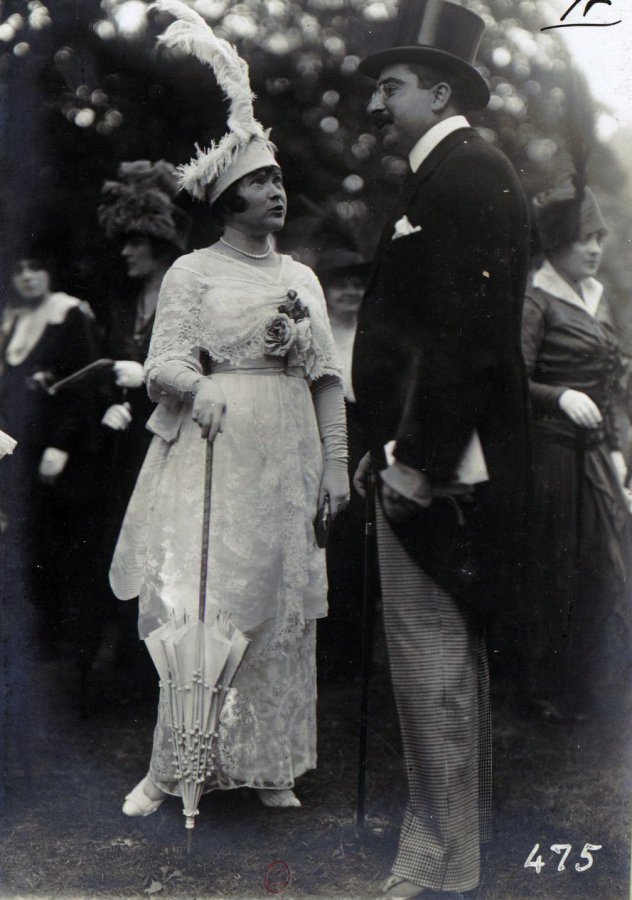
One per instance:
[(206, 527)]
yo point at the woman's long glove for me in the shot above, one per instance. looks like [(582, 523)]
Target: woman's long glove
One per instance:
[(332, 423)]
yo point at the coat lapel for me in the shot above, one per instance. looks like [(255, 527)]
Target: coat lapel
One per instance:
[(412, 183)]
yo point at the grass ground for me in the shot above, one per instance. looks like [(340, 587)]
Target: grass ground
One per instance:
[(63, 834)]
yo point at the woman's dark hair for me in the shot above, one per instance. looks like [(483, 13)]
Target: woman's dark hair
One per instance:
[(40, 260), (229, 201)]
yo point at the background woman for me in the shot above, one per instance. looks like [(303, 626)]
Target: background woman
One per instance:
[(138, 209), (580, 577), (46, 486)]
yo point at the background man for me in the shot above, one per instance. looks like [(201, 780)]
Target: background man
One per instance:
[(437, 369)]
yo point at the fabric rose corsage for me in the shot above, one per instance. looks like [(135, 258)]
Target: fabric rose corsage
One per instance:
[(289, 332), (279, 335), (404, 227)]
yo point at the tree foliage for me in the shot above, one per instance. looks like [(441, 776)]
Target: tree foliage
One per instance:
[(84, 88)]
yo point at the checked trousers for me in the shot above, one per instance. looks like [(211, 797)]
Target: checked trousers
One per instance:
[(440, 680)]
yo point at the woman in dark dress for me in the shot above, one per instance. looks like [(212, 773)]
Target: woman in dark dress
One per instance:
[(46, 485), (139, 210), (580, 589)]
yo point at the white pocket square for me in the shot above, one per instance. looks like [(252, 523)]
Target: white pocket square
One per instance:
[(404, 227)]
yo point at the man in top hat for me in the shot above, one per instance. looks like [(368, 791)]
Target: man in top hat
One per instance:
[(440, 386)]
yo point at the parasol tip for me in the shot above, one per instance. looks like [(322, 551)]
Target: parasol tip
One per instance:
[(190, 820)]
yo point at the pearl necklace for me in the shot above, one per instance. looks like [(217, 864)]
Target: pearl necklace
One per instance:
[(245, 252)]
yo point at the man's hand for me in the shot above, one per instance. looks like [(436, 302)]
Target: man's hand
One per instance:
[(404, 491), (362, 475), (396, 506)]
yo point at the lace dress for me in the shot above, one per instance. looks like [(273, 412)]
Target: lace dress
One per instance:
[(265, 570)]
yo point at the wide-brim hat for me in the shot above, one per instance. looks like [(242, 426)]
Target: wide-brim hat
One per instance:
[(141, 202), (338, 263), (440, 35)]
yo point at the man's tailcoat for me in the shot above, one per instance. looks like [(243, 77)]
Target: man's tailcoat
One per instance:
[(437, 353)]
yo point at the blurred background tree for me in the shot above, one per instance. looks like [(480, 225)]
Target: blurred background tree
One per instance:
[(84, 88)]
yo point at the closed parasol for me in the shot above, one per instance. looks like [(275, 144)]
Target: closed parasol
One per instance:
[(197, 662)]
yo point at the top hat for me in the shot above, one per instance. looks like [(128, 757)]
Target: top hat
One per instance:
[(440, 35)]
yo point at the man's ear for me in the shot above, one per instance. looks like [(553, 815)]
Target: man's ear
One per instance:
[(442, 92)]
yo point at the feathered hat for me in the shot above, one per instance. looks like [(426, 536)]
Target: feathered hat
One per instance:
[(141, 202), (569, 208), (246, 147), (564, 212)]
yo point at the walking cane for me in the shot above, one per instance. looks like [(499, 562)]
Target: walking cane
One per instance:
[(368, 616)]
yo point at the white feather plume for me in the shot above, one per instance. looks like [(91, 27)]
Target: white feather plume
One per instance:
[(194, 36)]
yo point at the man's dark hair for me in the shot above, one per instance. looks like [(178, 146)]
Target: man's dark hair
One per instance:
[(427, 77)]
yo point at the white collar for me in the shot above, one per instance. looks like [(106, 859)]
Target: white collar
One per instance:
[(427, 142), (548, 279), (31, 323)]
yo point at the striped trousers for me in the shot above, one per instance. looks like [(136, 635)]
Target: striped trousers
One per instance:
[(440, 680)]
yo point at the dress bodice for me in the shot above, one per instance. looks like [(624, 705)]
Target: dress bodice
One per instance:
[(218, 307)]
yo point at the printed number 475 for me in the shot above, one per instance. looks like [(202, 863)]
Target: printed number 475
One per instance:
[(535, 861)]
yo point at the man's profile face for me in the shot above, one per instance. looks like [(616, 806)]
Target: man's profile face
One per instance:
[(401, 109)]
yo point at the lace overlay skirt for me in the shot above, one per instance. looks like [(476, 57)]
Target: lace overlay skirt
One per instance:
[(267, 732)]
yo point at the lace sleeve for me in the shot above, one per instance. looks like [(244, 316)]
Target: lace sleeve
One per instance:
[(175, 342), (325, 359)]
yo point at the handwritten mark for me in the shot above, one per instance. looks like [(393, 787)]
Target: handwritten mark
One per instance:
[(535, 861), (278, 877), (589, 4)]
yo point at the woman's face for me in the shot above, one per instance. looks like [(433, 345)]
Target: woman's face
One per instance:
[(344, 295), (31, 281), (138, 253), (581, 259), (265, 195)]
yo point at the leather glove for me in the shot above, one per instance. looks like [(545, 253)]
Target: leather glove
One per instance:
[(128, 374), (117, 417), (209, 408), (52, 464), (329, 405)]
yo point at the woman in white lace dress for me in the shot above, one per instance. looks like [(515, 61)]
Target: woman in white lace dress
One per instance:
[(242, 353)]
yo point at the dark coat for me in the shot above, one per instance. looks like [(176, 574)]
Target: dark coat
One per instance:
[(438, 355)]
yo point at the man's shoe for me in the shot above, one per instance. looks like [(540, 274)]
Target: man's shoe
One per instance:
[(137, 803)]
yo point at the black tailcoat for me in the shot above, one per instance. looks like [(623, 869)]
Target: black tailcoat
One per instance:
[(438, 354)]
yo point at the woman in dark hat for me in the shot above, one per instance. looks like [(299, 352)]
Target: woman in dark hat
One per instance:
[(138, 209), (580, 568)]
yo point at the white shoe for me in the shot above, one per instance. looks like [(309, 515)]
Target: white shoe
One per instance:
[(137, 803), (278, 799)]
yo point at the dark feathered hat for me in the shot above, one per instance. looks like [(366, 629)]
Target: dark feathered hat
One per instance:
[(563, 213), (440, 35), (142, 202)]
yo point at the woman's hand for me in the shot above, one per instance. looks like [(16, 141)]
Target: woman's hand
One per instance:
[(580, 409), (128, 374), (117, 417), (209, 408), (52, 464), (618, 462), (335, 482)]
